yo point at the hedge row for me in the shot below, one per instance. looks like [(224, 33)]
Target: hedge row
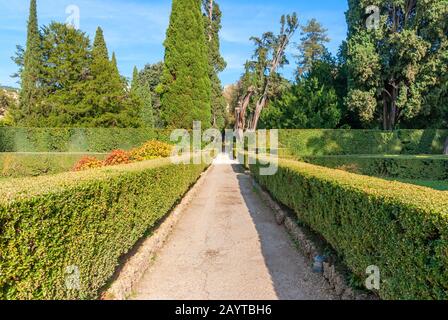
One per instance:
[(16, 165), (76, 140), (337, 142), (402, 167), (51, 227), (400, 228)]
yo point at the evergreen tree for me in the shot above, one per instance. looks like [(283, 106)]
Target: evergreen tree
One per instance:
[(393, 65), (312, 46), (141, 94), (151, 76), (186, 86), (216, 62), (30, 70)]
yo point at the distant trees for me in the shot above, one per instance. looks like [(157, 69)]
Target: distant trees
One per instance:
[(68, 82), (261, 80), (397, 67), (186, 84), (141, 92)]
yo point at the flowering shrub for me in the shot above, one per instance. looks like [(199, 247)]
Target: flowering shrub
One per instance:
[(152, 150), (117, 157), (87, 163)]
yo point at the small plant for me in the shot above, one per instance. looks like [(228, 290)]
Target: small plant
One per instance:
[(117, 157), (152, 150), (87, 163)]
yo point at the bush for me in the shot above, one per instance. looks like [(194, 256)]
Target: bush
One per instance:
[(401, 228), (87, 163), (117, 157), (349, 142), (151, 150), (402, 167), (14, 165), (76, 140), (83, 221)]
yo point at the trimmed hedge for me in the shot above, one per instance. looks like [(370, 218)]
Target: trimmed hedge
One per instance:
[(76, 140), (35, 164), (401, 228), (87, 219), (337, 142), (399, 166)]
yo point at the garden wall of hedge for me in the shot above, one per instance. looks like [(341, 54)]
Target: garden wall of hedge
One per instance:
[(401, 228), (339, 142), (400, 166), (76, 140), (52, 226)]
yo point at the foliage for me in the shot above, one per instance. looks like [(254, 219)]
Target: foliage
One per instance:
[(152, 150), (398, 227), (151, 77), (393, 69), (351, 142), (186, 86), (76, 140), (87, 163), (212, 21), (117, 157), (312, 46), (401, 167), (15, 165), (143, 98), (85, 220)]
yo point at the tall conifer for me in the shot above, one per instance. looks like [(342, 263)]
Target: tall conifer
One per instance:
[(186, 86)]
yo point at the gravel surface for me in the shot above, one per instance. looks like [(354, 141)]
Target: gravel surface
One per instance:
[(227, 245)]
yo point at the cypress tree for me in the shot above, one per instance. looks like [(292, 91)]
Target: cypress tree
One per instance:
[(30, 73), (216, 62), (99, 45), (186, 86), (142, 98)]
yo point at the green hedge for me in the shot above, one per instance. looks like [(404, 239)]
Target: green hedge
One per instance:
[(76, 140), (337, 142), (401, 228), (14, 165), (88, 219), (399, 166)]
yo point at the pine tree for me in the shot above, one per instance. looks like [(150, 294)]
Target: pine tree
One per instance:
[(216, 62), (312, 46), (186, 86), (32, 58)]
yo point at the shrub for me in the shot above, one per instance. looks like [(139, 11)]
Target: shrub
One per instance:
[(83, 221), (402, 167), (87, 163), (117, 157), (76, 139), (35, 164), (151, 150), (401, 228)]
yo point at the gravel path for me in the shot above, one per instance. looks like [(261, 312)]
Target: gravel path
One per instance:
[(228, 246)]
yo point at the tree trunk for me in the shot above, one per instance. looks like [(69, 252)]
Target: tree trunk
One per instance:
[(210, 17)]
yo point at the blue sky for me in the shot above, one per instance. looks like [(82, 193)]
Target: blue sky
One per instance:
[(135, 29)]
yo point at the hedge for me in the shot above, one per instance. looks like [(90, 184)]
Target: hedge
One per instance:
[(399, 166), (35, 164), (337, 142), (401, 228), (88, 219), (76, 140)]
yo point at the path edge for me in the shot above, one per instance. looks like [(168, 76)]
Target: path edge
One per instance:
[(135, 266)]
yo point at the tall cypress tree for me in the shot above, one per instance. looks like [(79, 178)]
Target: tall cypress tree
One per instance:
[(186, 83), (30, 72), (216, 62), (99, 45)]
